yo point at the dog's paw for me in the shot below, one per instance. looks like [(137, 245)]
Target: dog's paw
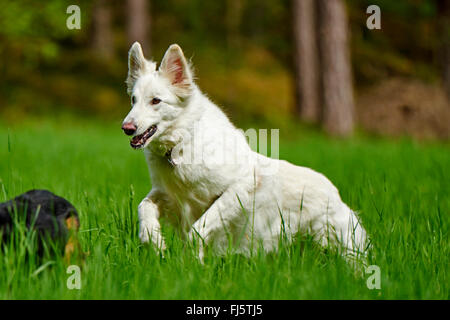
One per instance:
[(144, 236), (155, 239)]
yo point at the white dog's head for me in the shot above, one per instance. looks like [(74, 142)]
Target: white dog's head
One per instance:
[(157, 96)]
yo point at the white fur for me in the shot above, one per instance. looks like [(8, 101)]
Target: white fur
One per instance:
[(249, 199)]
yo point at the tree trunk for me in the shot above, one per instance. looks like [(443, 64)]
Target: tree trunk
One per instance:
[(306, 60), (138, 23), (102, 38), (337, 86), (444, 30)]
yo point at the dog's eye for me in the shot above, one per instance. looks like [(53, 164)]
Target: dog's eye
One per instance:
[(155, 101), (133, 99)]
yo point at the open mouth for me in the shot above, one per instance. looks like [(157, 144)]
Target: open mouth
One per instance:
[(139, 141)]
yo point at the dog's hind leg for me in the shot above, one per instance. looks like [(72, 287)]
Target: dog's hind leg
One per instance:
[(149, 226)]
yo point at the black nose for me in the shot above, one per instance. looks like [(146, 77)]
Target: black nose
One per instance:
[(129, 128)]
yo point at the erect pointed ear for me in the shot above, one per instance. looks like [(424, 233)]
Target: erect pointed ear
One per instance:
[(137, 65), (175, 68)]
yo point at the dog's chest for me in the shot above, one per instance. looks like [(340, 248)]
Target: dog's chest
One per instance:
[(191, 186)]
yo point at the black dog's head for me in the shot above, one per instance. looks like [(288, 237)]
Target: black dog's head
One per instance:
[(51, 216)]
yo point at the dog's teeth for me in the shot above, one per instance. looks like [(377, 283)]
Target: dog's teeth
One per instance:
[(140, 140)]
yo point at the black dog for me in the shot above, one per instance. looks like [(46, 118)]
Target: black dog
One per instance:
[(51, 216)]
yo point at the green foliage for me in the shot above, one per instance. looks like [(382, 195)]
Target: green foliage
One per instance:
[(33, 19), (39, 55), (33, 30), (407, 45)]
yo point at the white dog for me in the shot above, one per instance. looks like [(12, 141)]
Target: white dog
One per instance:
[(208, 182)]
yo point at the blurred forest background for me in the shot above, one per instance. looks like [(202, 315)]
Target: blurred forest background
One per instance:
[(285, 63)]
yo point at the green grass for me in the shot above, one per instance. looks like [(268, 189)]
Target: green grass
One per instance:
[(399, 187)]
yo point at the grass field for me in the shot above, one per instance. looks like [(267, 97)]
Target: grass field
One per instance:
[(400, 188)]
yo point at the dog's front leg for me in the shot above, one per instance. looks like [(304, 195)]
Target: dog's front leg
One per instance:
[(216, 221), (149, 227)]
